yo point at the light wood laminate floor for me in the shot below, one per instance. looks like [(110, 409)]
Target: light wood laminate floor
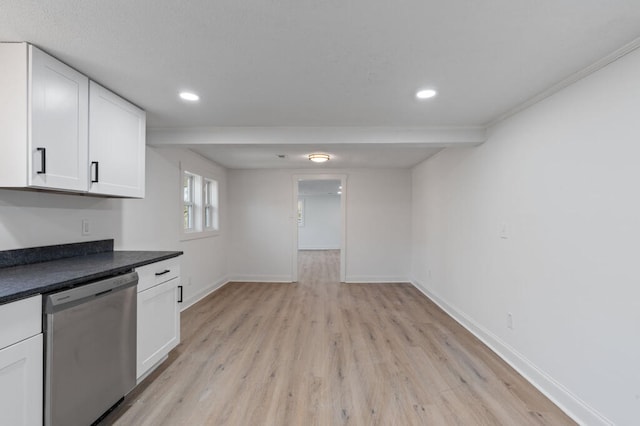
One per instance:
[(322, 353)]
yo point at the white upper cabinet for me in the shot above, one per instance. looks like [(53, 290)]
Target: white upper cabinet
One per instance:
[(116, 144), (58, 139), (44, 121), (59, 131)]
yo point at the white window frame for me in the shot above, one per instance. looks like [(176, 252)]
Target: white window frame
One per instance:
[(211, 220), (188, 202), (201, 204), (301, 205)]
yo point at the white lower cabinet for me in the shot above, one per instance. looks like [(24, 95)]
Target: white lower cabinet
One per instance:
[(158, 314), (21, 363), (21, 383)]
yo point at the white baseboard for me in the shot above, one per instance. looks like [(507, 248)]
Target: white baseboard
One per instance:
[(375, 279), (573, 406), (261, 278), (186, 304)]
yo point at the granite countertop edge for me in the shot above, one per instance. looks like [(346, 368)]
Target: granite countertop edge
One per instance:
[(21, 282)]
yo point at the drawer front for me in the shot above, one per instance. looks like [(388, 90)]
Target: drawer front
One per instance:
[(20, 320), (157, 273)]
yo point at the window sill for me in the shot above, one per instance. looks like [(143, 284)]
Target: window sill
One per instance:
[(196, 235)]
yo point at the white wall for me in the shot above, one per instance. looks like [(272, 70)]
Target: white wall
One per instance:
[(154, 223), (564, 177), (321, 228), (378, 223), (29, 219)]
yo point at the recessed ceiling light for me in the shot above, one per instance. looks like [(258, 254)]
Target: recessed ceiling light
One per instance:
[(189, 96), (319, 158), (426, 94)]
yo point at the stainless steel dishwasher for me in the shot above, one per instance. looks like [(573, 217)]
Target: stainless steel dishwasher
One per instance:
[(90, 349)]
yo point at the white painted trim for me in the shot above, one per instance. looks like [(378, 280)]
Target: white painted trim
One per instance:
[(257, 135), (375, 279), (342, 177), (261, 278), (202, 173), (573, 78), (573, 406), (186, 304)]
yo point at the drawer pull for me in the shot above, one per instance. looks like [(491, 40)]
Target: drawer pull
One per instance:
[(166, 271)]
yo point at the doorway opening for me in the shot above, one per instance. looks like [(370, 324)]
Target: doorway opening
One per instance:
[(320, 217)]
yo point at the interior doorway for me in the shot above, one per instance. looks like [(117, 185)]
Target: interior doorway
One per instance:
[(319, 212)]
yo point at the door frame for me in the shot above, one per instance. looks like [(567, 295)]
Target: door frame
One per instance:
[(343, 220)]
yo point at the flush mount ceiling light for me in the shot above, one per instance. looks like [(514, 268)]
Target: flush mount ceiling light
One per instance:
[(189, 96), (319, 158), (426, 94)]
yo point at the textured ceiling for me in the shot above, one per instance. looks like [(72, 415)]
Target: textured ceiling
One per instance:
[(325, 63)]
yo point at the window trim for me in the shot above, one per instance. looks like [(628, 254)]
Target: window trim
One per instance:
[(211, 197), (200, 179), (301, 211), (188, 204)]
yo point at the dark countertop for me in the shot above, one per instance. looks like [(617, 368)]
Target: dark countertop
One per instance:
[(19, 282)]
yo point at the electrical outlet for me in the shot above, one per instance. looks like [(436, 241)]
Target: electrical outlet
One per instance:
[(509, 321), (86, 230)]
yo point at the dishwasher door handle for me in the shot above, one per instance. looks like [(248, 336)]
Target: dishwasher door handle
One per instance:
[(69, 298)]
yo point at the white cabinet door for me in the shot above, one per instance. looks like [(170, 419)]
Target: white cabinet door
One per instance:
[(117, 131), (21, 383), (158, 324), (58, 128)]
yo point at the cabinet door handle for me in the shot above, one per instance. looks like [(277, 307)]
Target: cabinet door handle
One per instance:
[(166, 271), (95, 163), (43, 168), (180, 297)]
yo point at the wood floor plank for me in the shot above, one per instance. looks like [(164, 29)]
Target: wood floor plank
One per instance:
[(319, 352)]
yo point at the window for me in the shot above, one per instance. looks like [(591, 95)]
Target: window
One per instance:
[(200, 216), (210, 204), (188, 198), (301, 212)]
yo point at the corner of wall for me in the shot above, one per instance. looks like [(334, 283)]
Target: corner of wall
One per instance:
[(216, 285)]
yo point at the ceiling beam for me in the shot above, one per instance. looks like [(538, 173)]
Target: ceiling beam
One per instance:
[(438, 137)]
